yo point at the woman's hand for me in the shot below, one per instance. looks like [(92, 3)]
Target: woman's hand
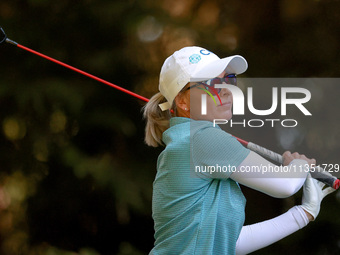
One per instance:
[(289, 157), (313, 193)]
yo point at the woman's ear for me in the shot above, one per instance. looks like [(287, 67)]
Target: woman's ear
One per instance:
[(182, 101)]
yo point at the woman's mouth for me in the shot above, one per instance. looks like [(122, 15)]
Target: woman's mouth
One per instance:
[(226, 103)]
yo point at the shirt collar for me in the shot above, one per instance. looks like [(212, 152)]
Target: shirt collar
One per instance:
[(178, 120)]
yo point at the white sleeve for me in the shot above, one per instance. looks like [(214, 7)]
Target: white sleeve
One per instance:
[(260, 235), (277, 181)]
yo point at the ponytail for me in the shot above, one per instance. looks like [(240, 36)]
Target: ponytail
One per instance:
[(157, 120)]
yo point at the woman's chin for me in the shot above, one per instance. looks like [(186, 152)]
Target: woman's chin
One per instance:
[(227, 115)]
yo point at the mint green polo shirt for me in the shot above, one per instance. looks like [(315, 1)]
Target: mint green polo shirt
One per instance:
[(195, 212)]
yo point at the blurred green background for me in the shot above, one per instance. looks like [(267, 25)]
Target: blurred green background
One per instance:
[(75, 174)]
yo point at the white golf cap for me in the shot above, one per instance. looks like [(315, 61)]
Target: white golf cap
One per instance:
[(194, 64)]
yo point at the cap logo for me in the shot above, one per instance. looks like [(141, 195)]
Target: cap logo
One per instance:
[(205, 52), (194, 59)]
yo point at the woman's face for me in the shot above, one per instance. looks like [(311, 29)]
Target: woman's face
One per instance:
[(214, 110)]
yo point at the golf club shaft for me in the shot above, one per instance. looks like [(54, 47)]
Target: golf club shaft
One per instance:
[(78, 70), (319, 175)]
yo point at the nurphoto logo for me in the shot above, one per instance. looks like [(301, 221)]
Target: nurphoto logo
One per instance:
[(239, 105)]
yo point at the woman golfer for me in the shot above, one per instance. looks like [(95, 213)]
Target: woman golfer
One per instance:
[(199, 211)]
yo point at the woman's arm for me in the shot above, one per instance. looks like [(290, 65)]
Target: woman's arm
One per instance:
[(277, 181), (212, 148), (256, 236), (260, 235)]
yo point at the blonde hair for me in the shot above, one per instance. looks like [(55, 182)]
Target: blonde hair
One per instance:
[(157, 121)]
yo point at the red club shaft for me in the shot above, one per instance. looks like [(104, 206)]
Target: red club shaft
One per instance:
[(84, 73)]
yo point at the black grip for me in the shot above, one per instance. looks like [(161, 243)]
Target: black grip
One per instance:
[(321, 176)]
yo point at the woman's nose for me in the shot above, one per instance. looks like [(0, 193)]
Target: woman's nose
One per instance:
[(225, 92)]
